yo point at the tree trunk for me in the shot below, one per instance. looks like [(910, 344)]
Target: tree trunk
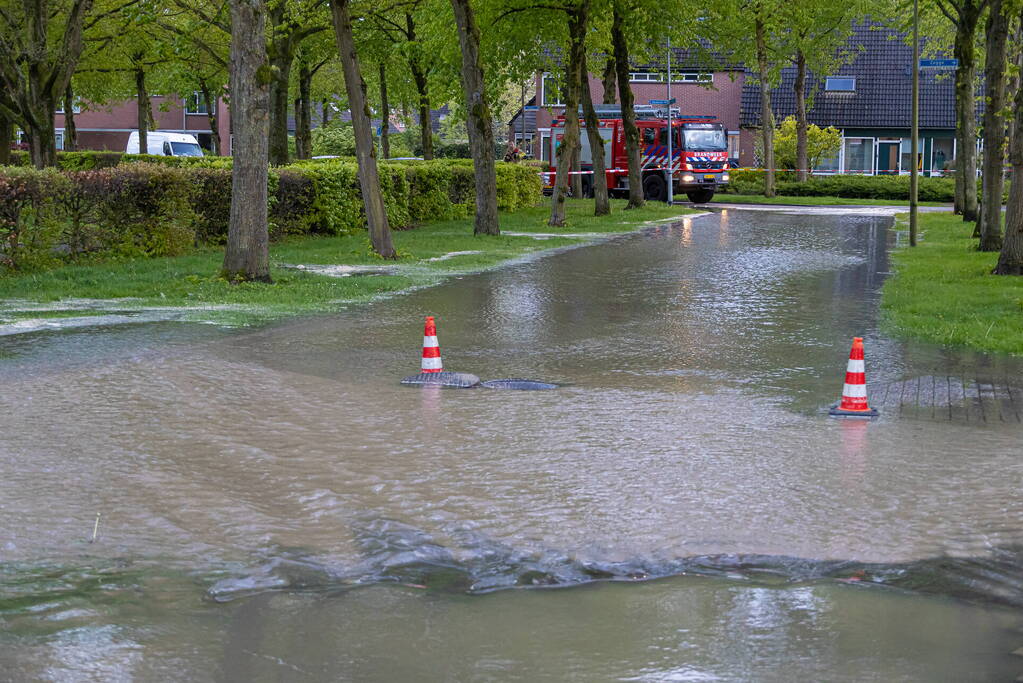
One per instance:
[(621, 58), (479, 121), (385, 115), (608, 80), (420, 78), (990, 220), (1010, 261), (300, 152), (211, 115), (70, 130), (365, 153), (602, 206), (568, 150), (802, 159), (282, 56), (41, 136), (324, 112), (247, 254), (36, 74), (303, 113), (142, 109), (6, 135), (966, 113), (766, 115)]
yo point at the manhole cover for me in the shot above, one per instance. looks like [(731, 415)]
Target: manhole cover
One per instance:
[(460, 380), (518, 384)]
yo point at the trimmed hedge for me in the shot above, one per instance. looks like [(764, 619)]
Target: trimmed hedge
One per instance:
[(892, 187), (141, 208)]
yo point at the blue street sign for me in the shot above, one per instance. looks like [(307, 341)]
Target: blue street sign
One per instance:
[(531, 107), (671, 101), (939, 63)]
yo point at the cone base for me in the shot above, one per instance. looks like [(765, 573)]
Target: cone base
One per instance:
[(835, 411)]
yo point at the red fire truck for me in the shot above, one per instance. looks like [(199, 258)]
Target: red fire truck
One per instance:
[(699, 151)]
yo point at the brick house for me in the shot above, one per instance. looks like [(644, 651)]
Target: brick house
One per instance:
[(715, 91), (108, 128), (868, 100)]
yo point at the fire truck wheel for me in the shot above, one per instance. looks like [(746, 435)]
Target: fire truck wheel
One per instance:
[(587, 188), (700, 196), (654, 188)]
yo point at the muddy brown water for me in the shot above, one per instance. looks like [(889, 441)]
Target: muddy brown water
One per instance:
[(275, 506)]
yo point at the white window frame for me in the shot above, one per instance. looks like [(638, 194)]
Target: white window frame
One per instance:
[(199, 102), (693, 77), (545, 144), (829, 79), (543, 92), (58, 139), (76, 107), (873, 156), (646, 77), (679, 77)]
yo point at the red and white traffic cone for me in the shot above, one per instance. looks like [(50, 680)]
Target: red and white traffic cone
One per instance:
[(431, 349), (854, 393)]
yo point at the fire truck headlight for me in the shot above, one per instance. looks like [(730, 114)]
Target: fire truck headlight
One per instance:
[(688, 178), (724, 177)]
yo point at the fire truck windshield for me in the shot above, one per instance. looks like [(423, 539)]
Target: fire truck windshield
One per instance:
[(705, 140)]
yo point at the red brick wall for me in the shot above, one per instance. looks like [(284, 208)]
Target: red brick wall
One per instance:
[(722, 101), (108, 128)]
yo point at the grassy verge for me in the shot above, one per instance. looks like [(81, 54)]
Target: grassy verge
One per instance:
[(811, 201), (190, 283), (943, 292)]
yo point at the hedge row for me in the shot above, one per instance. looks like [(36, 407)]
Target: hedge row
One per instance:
[(146, 209), (891, 187)]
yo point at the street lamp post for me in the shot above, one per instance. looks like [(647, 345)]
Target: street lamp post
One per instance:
[(914, 174), (671, 160)]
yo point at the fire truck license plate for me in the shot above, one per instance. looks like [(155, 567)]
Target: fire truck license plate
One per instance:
[(708, 177)]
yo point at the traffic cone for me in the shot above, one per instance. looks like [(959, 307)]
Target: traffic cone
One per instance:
[(854, 393), (431, 349)]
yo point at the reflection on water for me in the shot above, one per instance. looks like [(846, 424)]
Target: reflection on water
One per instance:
[(687, 438)]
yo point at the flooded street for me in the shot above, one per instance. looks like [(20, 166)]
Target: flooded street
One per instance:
[(275, 506)]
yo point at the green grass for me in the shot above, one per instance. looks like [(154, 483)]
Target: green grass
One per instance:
[(811, 201), (943, 291), (191, 281)]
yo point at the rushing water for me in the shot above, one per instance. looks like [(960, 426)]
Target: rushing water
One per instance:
[(275, 506)]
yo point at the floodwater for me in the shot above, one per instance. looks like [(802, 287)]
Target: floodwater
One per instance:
[(273, 505)]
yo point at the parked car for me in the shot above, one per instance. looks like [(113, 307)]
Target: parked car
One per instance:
[(165, 144)]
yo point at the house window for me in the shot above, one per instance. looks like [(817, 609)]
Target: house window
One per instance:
[(525, 144), (692, 77), (942, 155), (905, 153), (859, 155), (680, 77), (646, 77), (59, 139), (827, 164), (195, 104), (76, 108), (550, 91), (545, 145), (840, 84), (733, 147)]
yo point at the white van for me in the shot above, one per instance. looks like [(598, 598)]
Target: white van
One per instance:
[(165, 144)]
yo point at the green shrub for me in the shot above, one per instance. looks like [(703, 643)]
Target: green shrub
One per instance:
[(29, 226), (88, 160), (164, 207), (150, 206), (891, 187)]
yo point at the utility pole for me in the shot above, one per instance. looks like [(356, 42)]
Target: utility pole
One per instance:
[(914, 177), (522, 123), (671, 160)]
